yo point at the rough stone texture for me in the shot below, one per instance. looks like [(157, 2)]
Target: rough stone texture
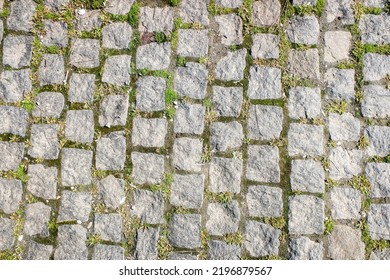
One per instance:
[(186, 154), (189, 118), (305, 140), (304, 2), (261, 239), (229, 3), (44, 141), (303, 248), (156, 19), (117, 35), (6, 234), (376, 102), (181, 256), (265, 46), (380, 254), (88, 21), (71, 243), (307, 176), (108, 252), (75, 206), (375, 29), (11, 154), (192, 43), (265, 83), (220, 250), (265, 122), (13, 120), (304, 102), (230, 29), (344, 127), (378, 221), (37, 219), (225, 136), (113, 110), (76, 167), (306, 215), (223, 218), (55, 5), (231, 67), (154, 56), (112, 191), (303, 30), (340, 84), (376, 66), (42, 181), (191, 80), (339, 11), (345, 203), (379, 176), (304, 64), (264, 201), (379, 139), (265, 12), (85, 53), (111, 151), (21, 15), (17, 51), (149, 132), (119, 7), (14, 85), (147, 168), (52, 70), (108, 227), (344, 164), (10, 195), (48, 104), (227, 101), (225, 175), (117, 70), (194, 11), (150, 94), (337, 46), (81, 88), (56, 33), (148, 206), (146, 244), (345, 244), (79, 126), (37, 251), (187, 191), (185, 230), (263, 164), (374, 3)]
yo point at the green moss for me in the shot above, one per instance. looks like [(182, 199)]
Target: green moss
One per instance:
[(339, 107), (329, 225), (371, 244), (308, 9), (93, 239), (363, 142), (174, 3), (372, 10), (361, 183), (278, 223), (181, 61), (381, 49), (346, 64), (4, 13), (236, 238), (160, 37), (223, 197), (164, 247), (7, 255), (134, 15), (165, 186), (216, 10)]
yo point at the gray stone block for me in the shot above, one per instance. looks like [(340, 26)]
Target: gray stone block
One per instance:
[(148, 168), (111, 151), (149, 132), (88, 21), (108, 227), (345, 243), (375, 29), (81, 88), (187, 191), (344, 127), (345, 203), (11, 192), (148, 206), (265, 12), (21, 15), (231, 67), (52, 70), (340, 11), (117, 35), (303, 30), (307, 176), (303, 248), (225, 175), (150, 94), (113, 110), (42, 181), (374, 3), (79, 126), (194, 11), (265, 122), (229, 3), (189, 118), (37, 251), (185, 230), (11, 154), (263, 164), (340, 84), (112, 191), (119, 7), (48, 104), (265, 83), (56, 33), (376, 66), (146, 244), (13, 120), (304, 102), (261, 239), (378, 221), (192, 43), (6, 234), (191, 80), (75, 206), (117, 70), (376, 102), (17, 51), (264, 201), (379, 176), (223, 218), (154, 56), (108, 252), (344, 164), (379, 139), (14, 84), (380, 254), (37, 219), (304, 64), (85, 53), (305, 140), (55, 5), (155, 19), (227, 101), (44, 141), (265, 46), (76, 165), (225, 136), (220, 250), (337, 46), (230, 29), (71, 243), (186, 154)]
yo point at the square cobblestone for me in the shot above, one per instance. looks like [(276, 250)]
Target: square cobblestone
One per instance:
[(376, 66), (344, 164), (340, 11), (52, 70), (75, 206), (345, 243), (263, 164), (225, 136), (229, 3), (337, 46), (85, 53), (304, 64), (79, 126), (108, 252), (191, 80), (71, 243), (17, 51), (56, 33), (154, 56), (186, 154), (88, 20), (265, 12), (11, 154), (146, 244), (112, 191), (227, 101), (11, 192), (307, 176), (192, 43), (189, 118), (117, 35), (223, 218), (149, 132), (187, 191), (220, 250), (194, 11), (265, 46), (21, 15), (340, 84), (265, 83), (375, 29), (108, 227), (303, 248), (113, 110), (13, 120), (14, 85), (265, 122), (376, 102), (185, 230), (230, 29), (379, 139), (148, 206), (37, 219), (119, 7), (261, 239), (148, 168), (81, 88), (150, 94), (48, 104), (264, 201), (42, 181), (303, 30), (111, 151), (379, 176), (225, 175), (76, 167), (378, 221), (117, 70), (231, 67), (44, 141), (305, 140), (344, 127), (37, 251), (304, 102), (345, 203), (155, 19)]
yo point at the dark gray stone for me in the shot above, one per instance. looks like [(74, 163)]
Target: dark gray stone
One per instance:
[(303, 248), (56, 5), (305, 140), (11, 154), (265, 122), (191, 80), (76, 165), (113, 110), (219, 250), (185, 230), (340, 11), (6, 234), (340, 84), (345, 203), (85, 53), (111, 151), (265, 46), (148, 206), (37, 219), (52, 70), (304, 64), (150, 94), (42, 181), (263, 164), (17, 51), (71, 243), (112, 191), (375, 29), (88, 20), (379, 139), (379, 176), (147, 168), (230, 29), (337, 46), (264, 201), (304, 102), (187, 191), (265, 12), (154, 56), (146, 244), (117, 70), (189, 118), (11, 192), (81, 88), (192, 43), (227, 101), (117, 35), (344, 164), (56, 34), (44, 141), (149, 132), (223, 218), (345, 243), (265, 83), (186, 154), (225, 175), (108, 252), (261, 239), (380, 254), (48, 104), (226, 136), (14, 85), (75, 206), (194, 11), (231, 67), (37, 251), (378, 221), (108, 227), (376, 102), (303, 30), (307, 176), (21, 15), (376, 66), (79, 126), (155, 19), (119, 7), (13, 120)]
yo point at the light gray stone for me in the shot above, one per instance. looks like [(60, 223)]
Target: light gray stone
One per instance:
[(265, 122), (146, 244), (155, 19), (85, 53), (265, 12), (304, 102), (88, 20), (225, 136), (307, 176), (185, 230), (376, 102), (10, 195), (344, 164), (337, 46), (108, 252), (112, 191), (48, 104), (119, 7), (261, 239), (79, 126), (148, 206), (231, 67), (117, 35), (51, 70), (191, 80), (37, 219), (375, 29), (376, 66), (340, 11), (14, 85), (108, 227), (225, 175), (379, 176), (42, 181), (378, 221), (56, 33), (345, 244), (150, 94), (304, 2), (149, 132), (17, 51), (154, 56), (227, 101), (344, 127), (6, 234), (11, 154), (75, 206), (44, 141), (223, 218), (380, 254), (117, 70), (345, 203), (13, 120), (113, 110), (189, 119), (304, 64), (303, 30), (303, 248), (374, 3), (21, 15), (37, 251), (230, 29), (229, 3), (265, 46), (263, 164), (194, 11), (192, 43), (76, 165), (111, 151), (379, 139), (186, 154), (187, 191), (264, 201), (340, 84), (305, 140), (265, 83), (56, 5), (81, 88), (181, 256), (220, 250), (148, 168), (71, 243)]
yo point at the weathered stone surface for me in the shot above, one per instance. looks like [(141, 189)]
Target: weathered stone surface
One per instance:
[(42, 181), (307, 176), (146, 244), (380, 254), (225, 175), (345, 244), (223, 218), (189, 118), (225, 136), (305, 140), (148, 206), (37, 219), (261, 239), (264, 201), (44, 141), (117, 70), (10, 195), (304, 2), (48, 104), (303, 248), (56, 5), (378, 221), (263, 164), (112, 191), (227, 101), (17, 51), (113, 110), (303, 30), (304, 64), (185, 230), (340, 84), (376, 102), (75, 206), (344, 127), (88, 20), (37, 251), (147, 168), (230, 29), (379, 139), (119, 7), (220, 250), (344, 164), (191, 80), (265, 46), (150, 94), (156, 19), (265, 83), (13, 120), (345, 203), (21, 15), (186, 154), (76, 165), (85, 53), (14, 85), (337, 46), (154, 56), (229, 3), (192, 43), (79, 126), (187, 191), (379, 176), (81, 88), (6, 233), (108, 252), (149, 132), (56, 34), (265, 122), (340, 11), (108, 227), (306, 215), (376, 66), (71, 243), (111, 151), (181, 256), (117, 35), (304, 102), (52, 70), (375, 29), (265, 12), (11, 154), (231, 67), (374, 3), (194, 11)]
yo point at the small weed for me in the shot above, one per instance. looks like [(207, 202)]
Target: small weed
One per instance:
[(346, 65), (93, 239), (236, 238), (174, 3), (204, 239), (309, 9), (371, 244), (53, 227), (359, 96), (216, 10), (388, 81), (203, 60), (278, 223), (361, 183), (224, 197), (340, 107), (165, 186), (330, 184), (280, 142), (329, 225), (366, 203), (332, 144), (164, 248), (197, 26), (4, 13), (7, 255), (207, 154), (134, 15), (181, 61), (381, 49), (363, 143), (160, 37), (325, 163)]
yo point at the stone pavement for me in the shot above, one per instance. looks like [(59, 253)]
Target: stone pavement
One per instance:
[(206, 129)]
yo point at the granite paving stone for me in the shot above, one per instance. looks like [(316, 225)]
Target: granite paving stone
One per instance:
[(345, 203), (71, 243), (81, 88), (303, 248), (337, 46), (108, 252), (38, 251), (345, 244), (304, 102), (75, 206), (14, 85), (227, 101), (108, 227), (11, 192), (263, 164), (305, 140), (150, 94), (84, 53), (192, 43), (220, 250), (146, 248), (116, 35), (44, 141), (379, 140), (52, 70), (149, 132), (265, 12), (339, 11), (344, 164), (76, 166), (191, 80), (261, 239), (230, 29), (117, 70), (340, 84), (265, 46), (6, 233), (155, 19), (379, 176), (21, 15), (187, 191), (307, 176), (185, 230), (194, 11), (376, 66), (226, 136), (112, 191), (11, 154), (119, 7), (13, 120), (148, 168), (231, 67), (79, 126), (153, 56), (223, 218), (376, 102), (88, 20), (17, 51), (148, 206), (264, 201), (265, 122), (304, 64), (48, 105), (344, 127), (189, 119), (303, 30), (265, 83), (113, 110), (37, 219), (375, 29), (56, 33), (111, 151), (42, 181), (225, 175), (378, 221), (186, 154)]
